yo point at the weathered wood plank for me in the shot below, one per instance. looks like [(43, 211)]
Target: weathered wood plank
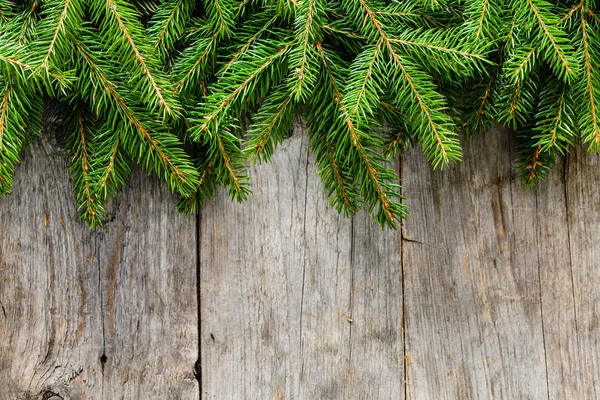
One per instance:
[(472, 291), (69, 295), (565, 380), (147, 256), (499, 288), (50, 326), (326, 301), (376, 366), (251, 266), (291, 305), (583, 211)]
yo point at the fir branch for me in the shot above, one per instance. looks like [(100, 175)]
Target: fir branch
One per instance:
[(361, 98), (480, 115), (571, 12), (591, 120), (111, 169), (228, 78), (527, 63), (15, 112), (181, 176), (250, 41), (344, 32), (441, 146), (79, 147), (221, 101), (119, 23), (534, 167), (226, 159), (485, 10), (346, 193), (50, 49), (554, 124), (207, 185), (517, 102), (28, 21), (440, 49), (484, 20), (169, 22), (558, 52), (551, 37), (140, 59), (271, 124), (373, 174), (221, 16), (60, 25), (239, 190), (5, 9), (303, 54), (335, 175), (4, 115), (13, 62), (203, 51), (534, 164), (517, 97), (592, 14)]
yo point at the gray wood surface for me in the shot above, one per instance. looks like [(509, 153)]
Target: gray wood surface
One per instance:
[(296, 301), (70, 296), (490, 291), (565, 378), (473, 309), (583, 228), (50, 322), (147, 257)]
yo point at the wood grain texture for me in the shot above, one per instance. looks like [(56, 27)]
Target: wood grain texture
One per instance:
[(147, 266), (489, 292), (473, 308), (291, 305), (583, 215), (50, 325), (376, 366), (565, 380), (70, 295)]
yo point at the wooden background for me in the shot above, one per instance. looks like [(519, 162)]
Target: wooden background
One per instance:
[(490, 291)]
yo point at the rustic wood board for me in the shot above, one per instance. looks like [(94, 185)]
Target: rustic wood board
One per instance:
[(251, 267), (472, 290), (147, 258), (50, 325), (376, 367), (489, 292), (583, 215), (292, 304), (565, 380), (69, 295)]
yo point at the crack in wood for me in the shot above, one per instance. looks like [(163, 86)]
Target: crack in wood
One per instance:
[(301, 344), (198, 364), (403, 239), (566, 166)]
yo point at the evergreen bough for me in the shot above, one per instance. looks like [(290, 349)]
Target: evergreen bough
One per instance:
[(194, 90)]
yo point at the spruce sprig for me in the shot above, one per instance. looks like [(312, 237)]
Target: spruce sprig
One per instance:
[(194, 90)]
